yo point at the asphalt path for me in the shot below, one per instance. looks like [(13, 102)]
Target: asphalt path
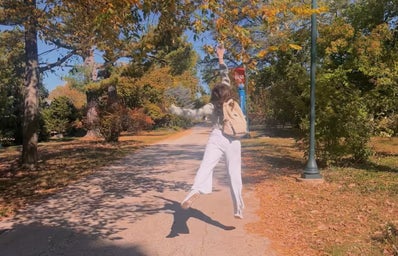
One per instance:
[(132, 207)]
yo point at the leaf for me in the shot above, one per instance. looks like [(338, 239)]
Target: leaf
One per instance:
[(262, 53), (295, 46)]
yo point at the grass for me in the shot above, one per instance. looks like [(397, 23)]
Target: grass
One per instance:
[(62, 162), (349, 213)]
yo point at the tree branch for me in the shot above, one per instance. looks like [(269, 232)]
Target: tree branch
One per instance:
[(58, 62)]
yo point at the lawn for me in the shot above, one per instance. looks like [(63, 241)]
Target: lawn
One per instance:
[(353, 210)]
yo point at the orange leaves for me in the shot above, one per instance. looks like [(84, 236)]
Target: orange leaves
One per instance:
[(284, 47), (220, 23), (235, 11), (304, 218), (262, 54)]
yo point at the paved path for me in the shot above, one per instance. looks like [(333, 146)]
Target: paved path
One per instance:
[(132, 208)]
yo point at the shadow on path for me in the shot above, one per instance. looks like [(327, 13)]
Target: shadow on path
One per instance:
[(181, 217), (43, 240)]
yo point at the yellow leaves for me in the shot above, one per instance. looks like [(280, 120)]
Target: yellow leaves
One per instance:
[(295, 47), (282, 47), (307, 11), (204, 6), (269, 13), (148, 47), (262, 54), (208, 49), (273, 48), (198, 25), (249, 11), (336, 46)]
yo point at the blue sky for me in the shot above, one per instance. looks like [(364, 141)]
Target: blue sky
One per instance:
[(53, 78)]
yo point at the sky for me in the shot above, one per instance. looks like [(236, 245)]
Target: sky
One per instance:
[(53, 78)]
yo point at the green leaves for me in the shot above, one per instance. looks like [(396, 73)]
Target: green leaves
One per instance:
[(356, 77)]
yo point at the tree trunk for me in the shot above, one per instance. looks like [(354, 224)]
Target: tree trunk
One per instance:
[(92, 99), (92, 115), (31, 96)]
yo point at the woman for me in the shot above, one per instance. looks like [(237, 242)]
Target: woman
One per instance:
[(217, 145)]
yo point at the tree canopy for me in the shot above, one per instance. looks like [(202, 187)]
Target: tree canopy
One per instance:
[(356, 79)]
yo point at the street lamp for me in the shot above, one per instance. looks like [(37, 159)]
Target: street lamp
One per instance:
[(311, 170)]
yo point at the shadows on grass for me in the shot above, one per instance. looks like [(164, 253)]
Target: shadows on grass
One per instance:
[(372, 167), (271, 153), (265, 163), (274, 132)]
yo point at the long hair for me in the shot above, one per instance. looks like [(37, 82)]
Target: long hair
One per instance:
[(221, 93)]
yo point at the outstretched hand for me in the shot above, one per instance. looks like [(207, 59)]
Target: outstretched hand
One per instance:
[(220, 50), (220, 53)]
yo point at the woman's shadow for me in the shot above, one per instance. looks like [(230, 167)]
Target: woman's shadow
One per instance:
[(181, 217)]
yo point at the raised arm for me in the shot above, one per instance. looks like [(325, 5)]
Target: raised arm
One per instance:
[(197, 114), (223, 68), (207, 109)]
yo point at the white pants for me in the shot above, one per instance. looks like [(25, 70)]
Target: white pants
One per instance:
[(216, 147)]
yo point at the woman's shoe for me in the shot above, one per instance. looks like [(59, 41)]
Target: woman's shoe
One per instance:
[(239, 214), (188, 201)]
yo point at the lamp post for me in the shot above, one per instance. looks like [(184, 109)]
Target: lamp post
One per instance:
[(311, 170)]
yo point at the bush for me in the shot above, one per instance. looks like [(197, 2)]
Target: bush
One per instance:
[(110, 126), (137, 120), (59, 116), (173, 121), (342, 121), (386, 126)]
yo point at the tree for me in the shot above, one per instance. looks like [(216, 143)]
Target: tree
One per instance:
[(27, 14), (73, 25), (356, 78), (115, 27), (11, 85), (77, 97)]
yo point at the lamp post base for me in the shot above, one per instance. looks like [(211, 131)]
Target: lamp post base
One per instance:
[(311, 170), (311, 176)]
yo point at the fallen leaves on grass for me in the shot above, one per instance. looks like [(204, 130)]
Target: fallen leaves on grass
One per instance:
[(335, 217)]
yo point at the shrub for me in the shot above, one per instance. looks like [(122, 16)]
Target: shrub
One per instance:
[(137, 120), (110, 126), (342, 121), (59, 116)]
